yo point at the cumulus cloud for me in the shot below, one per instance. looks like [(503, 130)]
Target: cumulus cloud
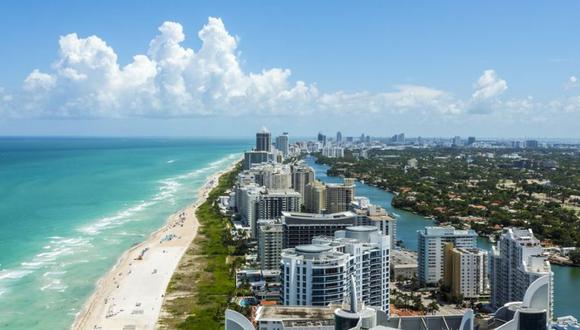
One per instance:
[(488, 86), (37, 80), (170, 80), (487, 90)]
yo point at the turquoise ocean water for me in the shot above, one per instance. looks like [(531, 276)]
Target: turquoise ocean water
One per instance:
[(69, 207), (566, 279)]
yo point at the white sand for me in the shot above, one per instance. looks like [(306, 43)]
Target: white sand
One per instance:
[(131, 294)]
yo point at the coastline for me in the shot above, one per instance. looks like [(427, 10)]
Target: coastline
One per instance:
[(132, 292)]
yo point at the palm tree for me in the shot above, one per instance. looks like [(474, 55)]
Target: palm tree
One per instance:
[(433, 306)]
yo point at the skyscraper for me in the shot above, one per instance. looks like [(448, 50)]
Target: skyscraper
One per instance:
[(315, 197), (322, 138), (339, 196), (338, 137), (302, 175), (320, 273), (516, 261), (282, 144), (264, 140)]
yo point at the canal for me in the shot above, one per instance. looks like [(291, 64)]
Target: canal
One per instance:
[(566, 279)]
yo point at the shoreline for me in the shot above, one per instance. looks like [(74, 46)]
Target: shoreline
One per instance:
[(132, 292)]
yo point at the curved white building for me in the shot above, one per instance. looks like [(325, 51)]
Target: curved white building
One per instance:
[(318, 274), (314, 275)]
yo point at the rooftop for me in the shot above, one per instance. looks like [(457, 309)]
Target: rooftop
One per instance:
[(313, 248), (294, 313), (318, 216)]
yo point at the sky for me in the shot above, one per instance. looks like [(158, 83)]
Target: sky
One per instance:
[(227, 68)]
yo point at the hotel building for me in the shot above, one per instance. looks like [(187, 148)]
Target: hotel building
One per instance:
[(431, 242)]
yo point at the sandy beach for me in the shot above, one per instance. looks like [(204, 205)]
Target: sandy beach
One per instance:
[(131, 294)]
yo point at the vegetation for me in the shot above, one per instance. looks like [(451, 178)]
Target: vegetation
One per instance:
[(481, 189), (411, 300), (575, 256), (204, 284)]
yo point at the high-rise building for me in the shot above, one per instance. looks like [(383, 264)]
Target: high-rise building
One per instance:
[(470, 140), (320, 273), (373, 215), (256, 157), (431, 242), (276, 176), (339, 196), (331, 151), (315, 197), (516, 261), (302, 175), (398, 138), (321, 138), (338, 137), (282, 144), (301, 228), (272, 203), (264, 140), (270, 244), (246, 199), (531, 144), (465, 271), (254, 202)]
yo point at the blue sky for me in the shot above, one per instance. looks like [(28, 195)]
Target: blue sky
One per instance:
[(375, 66)]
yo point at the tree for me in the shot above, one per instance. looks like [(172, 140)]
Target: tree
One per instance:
[(433, 306), (575, 256)]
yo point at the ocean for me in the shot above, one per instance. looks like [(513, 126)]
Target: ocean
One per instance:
[(69, 207)]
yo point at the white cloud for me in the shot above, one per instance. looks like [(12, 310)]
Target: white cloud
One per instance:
[(488, 86), (571, 83), (37, 80), (170, 80)]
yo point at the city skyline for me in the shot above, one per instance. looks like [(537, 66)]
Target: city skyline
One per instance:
[(179, 69)]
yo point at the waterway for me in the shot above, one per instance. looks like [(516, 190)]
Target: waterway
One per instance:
[(566, 279)]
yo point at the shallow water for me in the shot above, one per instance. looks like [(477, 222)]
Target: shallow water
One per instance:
[(70, 207)]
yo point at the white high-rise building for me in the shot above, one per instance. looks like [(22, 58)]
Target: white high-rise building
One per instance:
[(431, 242), (368, 214), (247, 198), (332, 151), (319, 274), (516, 261)]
